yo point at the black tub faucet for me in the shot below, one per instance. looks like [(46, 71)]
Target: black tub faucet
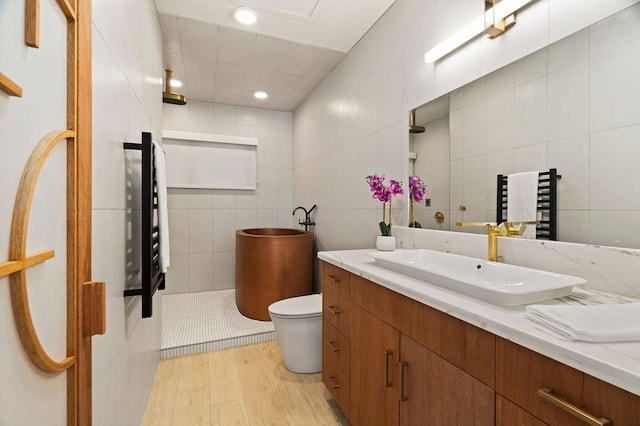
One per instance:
[(307, 216)]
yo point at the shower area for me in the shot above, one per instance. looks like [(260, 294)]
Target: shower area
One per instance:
[(271, 264), (236, 176)]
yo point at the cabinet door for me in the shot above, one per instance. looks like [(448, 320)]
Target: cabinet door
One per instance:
[(602, 399), (509, 414), (374, 370), (521, 373), (436, 392)]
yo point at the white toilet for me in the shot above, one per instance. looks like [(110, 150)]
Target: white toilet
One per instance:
[(298, 325)]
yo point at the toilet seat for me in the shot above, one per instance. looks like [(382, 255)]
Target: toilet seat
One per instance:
[(297, 307)]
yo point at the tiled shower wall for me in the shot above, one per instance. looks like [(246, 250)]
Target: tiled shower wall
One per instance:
[(127, 73), (202, 222), (355, 122)]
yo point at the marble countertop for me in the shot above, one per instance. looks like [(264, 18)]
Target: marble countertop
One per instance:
[(615, 363)]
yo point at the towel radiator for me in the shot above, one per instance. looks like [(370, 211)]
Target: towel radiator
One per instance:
[(547, 203), (152, 278)]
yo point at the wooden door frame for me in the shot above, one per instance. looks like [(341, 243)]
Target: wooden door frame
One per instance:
[(85, 299), (79, 382)]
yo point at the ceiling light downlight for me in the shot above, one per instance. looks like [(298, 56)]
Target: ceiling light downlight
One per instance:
[(261, 94), (245, 15)]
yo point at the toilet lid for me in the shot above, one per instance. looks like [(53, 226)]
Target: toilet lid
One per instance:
[(298, 307)]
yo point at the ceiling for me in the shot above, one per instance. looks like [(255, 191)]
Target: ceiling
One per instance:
[(294, 45)]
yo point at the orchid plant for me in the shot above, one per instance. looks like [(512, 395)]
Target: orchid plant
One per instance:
[(384, 194), (417, 191)]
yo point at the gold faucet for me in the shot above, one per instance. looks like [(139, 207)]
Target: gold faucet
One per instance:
[(493, 232), (505, 229)]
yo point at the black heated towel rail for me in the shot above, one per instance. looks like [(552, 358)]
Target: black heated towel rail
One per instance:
[(547, 203), (152, 278)]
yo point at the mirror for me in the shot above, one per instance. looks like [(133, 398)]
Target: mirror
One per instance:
[(573, 105)]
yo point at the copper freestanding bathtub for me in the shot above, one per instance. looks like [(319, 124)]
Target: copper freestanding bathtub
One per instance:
[(271, 264)]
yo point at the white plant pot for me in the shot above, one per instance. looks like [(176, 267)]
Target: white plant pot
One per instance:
[(386, 243)]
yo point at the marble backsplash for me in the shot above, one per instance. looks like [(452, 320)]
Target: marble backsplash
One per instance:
[(611, 269)]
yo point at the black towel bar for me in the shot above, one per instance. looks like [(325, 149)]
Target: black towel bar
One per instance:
[(152, 277), (547, 203)]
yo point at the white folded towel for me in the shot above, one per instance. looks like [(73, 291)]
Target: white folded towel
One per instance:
[(522, 200), (593, 323), (163, 217)]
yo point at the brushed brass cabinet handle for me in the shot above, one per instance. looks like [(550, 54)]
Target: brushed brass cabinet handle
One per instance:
[(547, 395), (334, 279), (333, 346), (331, 380), (387, 356), (401, 396), (334, 310)]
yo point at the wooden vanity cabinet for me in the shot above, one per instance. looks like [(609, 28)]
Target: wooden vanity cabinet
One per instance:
[(604, 399), (436, 392), (374, 370), (336, 331), (520, 373), (509, 414), (397, 372), (388, 360)]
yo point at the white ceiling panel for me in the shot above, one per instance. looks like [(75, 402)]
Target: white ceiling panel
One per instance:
[(299, 59), (285, 84), (201, 93), (200, 72), (235, 46), (258, 80), (268, 53), (198, 40), (226, 95), (231, 76), (300, 9), (288, 52), (334, 24)]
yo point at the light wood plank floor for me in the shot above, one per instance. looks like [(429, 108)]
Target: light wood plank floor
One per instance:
[(246, 385)]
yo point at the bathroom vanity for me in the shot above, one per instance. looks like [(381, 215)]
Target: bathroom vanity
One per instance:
[(397, 350)]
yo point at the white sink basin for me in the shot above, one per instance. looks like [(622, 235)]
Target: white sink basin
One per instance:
[(493, 282)]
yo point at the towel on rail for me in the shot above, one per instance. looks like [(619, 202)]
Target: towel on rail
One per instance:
[(522, 200), (163, 219), (594, 323)]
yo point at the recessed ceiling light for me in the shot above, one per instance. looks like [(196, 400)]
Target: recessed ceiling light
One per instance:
[(245, 15), (175, 83), (261, 94)]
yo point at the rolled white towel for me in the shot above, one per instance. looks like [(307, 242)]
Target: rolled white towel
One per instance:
[(594, 323)]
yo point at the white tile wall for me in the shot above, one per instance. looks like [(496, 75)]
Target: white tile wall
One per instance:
[(512, 116), (202, 222), (127, 67)]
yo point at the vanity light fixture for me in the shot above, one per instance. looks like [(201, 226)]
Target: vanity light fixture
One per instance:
[(245, 15), (499, 16), (260, 94)]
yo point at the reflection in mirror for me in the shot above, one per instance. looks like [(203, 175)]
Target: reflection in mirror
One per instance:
[(430, 161), (573, 105)]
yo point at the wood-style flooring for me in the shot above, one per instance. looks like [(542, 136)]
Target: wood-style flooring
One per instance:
[(246, 385)]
